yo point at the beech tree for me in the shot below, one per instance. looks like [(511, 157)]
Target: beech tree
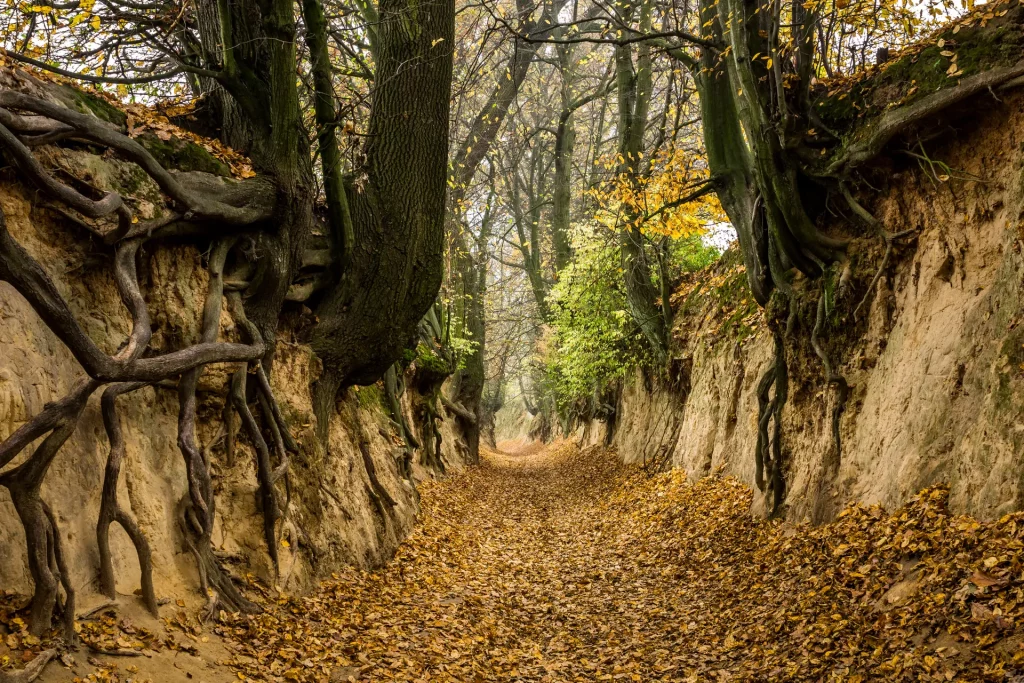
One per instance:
[(369, 266)]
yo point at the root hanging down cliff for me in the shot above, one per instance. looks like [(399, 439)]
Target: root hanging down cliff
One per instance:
[(153, 299)]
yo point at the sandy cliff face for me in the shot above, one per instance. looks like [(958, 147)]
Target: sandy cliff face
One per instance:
[(935, 360), (335, 515)]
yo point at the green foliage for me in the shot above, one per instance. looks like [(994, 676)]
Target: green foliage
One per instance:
[(594, 337), (594, 340), (690, 254), (462, 348)]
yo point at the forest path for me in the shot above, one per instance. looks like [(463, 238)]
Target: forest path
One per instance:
[(556, 564), (523, 568)]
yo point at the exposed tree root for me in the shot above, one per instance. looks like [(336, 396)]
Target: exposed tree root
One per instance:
[(377, 489), (214, 583), (91, 614), (199, 516), (831, 377), (889, 237), (111, 510), (393, 388), (202, 207), (43, 538), (764, 413), (128, 366), (268, 501), (114, 652), (457, 409), (768, 450), (59, 566), (431, 435), (91, 128), (273, 410), (266, 475)]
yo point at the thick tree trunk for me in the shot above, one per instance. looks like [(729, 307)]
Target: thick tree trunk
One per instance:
[(565, 139), (731, 163), (394, 269)]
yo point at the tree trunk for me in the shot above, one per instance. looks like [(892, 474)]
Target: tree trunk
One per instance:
[(395, 265), (634, 93)]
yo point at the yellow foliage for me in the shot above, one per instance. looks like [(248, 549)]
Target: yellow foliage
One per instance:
[(655, 201)]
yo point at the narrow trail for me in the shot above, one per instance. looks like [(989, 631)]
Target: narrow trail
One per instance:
[(558, 565), (519, 571)]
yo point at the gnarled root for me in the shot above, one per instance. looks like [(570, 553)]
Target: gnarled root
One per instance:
[(393, 388), (198, 514), (214, 583), (111, 510), (31, 671), (268, 499), (129, 365), (431, 436), (832, 377), (45, 552), (768, 450), (889, 237), (266, 474), (764, 413), (378, 494)]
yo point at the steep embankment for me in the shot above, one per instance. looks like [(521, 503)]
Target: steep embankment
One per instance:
[(336, 511), (934, 357)]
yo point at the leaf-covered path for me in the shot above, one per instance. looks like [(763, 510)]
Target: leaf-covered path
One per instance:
[(566, 566)]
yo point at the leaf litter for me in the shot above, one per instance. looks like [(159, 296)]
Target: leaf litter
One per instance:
[(570, 566)]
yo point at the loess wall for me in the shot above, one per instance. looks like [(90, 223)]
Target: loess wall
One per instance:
[(935, 358), (334, 515)]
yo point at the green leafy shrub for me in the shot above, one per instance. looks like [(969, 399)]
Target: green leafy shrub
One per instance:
[(593, 341)]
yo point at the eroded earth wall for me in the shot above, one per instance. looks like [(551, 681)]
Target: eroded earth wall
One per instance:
[(935, 357), (334, 514)]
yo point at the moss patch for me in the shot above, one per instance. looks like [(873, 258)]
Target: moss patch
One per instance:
[(429, 361), (370, 397), (95, 105), (183, 155)]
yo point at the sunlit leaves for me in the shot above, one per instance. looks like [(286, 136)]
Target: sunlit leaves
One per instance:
[(653, 200)]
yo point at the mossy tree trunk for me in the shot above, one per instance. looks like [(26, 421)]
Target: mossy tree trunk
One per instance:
[(634, 82)]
